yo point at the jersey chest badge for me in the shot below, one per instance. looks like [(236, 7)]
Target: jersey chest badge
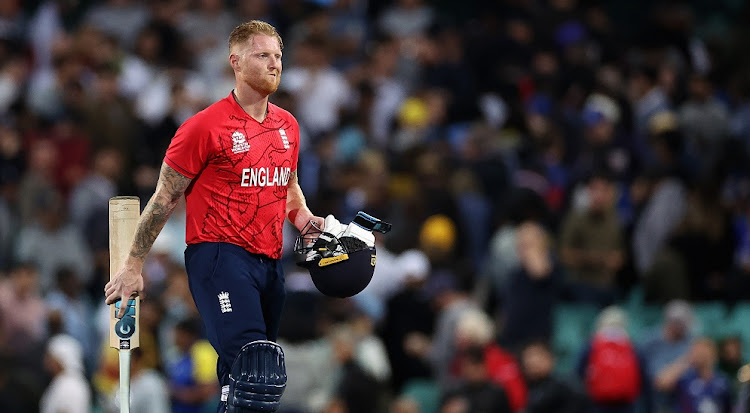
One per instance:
[(284, 139), (239, 143)]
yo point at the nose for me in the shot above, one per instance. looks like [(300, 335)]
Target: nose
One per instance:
[(274, 63)]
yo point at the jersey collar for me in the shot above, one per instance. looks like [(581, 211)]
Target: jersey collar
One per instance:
[(238, 108)]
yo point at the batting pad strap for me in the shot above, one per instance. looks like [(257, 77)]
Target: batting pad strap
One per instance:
[(257, 379)]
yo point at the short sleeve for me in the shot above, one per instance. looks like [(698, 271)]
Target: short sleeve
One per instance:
[(190, 148), (295, 156)]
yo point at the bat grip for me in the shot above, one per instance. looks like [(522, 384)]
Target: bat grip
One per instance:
[(124, 381)]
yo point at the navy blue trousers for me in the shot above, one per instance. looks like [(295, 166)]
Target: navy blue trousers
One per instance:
[(239, 296)]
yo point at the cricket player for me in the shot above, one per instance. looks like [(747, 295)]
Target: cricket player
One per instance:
[(236, 163)]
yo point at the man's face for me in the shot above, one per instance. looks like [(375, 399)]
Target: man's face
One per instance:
[(473, 371), (703, 354), (24, 280), (675, 330), (537, 362), (257, 62), (601, 195)]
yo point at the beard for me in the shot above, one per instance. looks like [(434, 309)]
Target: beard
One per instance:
[(264, 83)]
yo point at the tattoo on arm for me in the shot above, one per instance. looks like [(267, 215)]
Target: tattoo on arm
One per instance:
[(169, 189)]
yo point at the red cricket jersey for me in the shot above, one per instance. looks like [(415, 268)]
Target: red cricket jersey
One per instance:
[(240, 170)]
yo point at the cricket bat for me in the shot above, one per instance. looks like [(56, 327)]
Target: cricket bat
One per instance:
[(124, 212)]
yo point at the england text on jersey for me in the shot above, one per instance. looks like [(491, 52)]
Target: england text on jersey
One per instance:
[(278, 176)]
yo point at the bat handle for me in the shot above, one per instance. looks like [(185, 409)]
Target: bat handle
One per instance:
[(124, 381)]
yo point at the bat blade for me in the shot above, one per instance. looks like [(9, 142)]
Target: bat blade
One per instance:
[(124, 212)]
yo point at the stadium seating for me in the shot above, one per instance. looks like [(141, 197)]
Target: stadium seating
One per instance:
[(425, 392)]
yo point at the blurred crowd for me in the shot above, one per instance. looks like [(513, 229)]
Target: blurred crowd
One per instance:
[(538, 159)]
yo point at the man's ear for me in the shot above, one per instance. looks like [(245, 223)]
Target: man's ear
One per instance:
[(234, 61)]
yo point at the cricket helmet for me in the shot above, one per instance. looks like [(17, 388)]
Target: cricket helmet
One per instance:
[(340, 258)]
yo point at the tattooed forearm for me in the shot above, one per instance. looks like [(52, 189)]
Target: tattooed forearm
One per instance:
[(293, 178), (170, 188)]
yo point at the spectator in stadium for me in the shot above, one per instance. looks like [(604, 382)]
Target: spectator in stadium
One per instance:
[(12, 165), (109, 117), (529, 298), (502, 260), (379, 70), (404, 405), (664, 207), (205, 29), (731, 360), (52, 242), (321, 92), (668, 346), (704, 119), (475, 330), (68, 391), (93, 191), (49, 86), (23, 312), (407, 312), (191, 371), (17, 392), (647, 97), (705, 242), (605, 147), (591, 244), (451, 303), (370, 351), (120, 18), (390, 277), (611, 367), (743, 402), (475, 391), (357, 388), (72, 145), (548, 393), (76, 311), (474, 216), (420, 119), (310, 359), (438, 236), (38, 183), (407, 18), (452, 97), (695, 382)]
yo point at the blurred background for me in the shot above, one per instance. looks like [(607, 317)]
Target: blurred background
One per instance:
[(568, 183)]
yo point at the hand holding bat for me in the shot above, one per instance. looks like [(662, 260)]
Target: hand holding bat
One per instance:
[(126, 283)]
